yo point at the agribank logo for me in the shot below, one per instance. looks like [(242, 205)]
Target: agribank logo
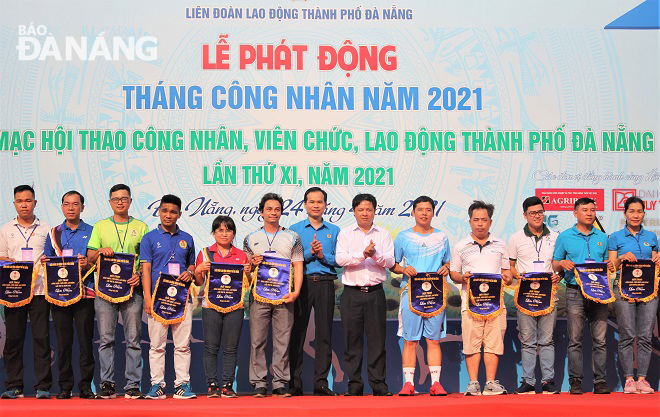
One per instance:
[(563, 199), (620, 195), (36, 43)]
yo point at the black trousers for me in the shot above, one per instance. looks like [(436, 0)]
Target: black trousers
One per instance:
[(321, 296), (82, 313), (364, 312), (16, 324)]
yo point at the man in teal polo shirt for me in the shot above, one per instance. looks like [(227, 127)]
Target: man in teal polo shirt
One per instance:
[(579, 244)]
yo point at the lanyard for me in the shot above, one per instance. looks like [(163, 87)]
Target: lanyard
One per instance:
[(586, 239), (270, 242), (66, 244), (172, 248), (537, 248), (224, 258), (125, 232), (27, 240)]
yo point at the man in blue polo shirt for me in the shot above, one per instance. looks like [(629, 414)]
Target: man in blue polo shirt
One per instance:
[(69, 239), (169, 250), (579, 244), (319, 240)]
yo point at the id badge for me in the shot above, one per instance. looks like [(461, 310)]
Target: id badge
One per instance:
[(270, 252), (174, 269), (539, 266), (26, 255), (67, 252), (589, 261)]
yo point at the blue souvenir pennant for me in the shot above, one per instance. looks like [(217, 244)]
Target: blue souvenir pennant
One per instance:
[(63, 281), (113, 275), (427, 294), (273, 280), (225, 287), (594, 282), (16, 283), (169, 300), (639, 280), (535, 294), (485, 293)]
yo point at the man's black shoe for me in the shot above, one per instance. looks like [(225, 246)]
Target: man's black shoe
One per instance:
[(64, 395), (296, 392), (325, 392), (382, 394), (601, 388), (576, 386)]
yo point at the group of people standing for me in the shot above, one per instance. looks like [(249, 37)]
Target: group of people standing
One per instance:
[(315, 249)]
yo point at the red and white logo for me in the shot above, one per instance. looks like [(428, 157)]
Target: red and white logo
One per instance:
[(563, 199), (619, 197)]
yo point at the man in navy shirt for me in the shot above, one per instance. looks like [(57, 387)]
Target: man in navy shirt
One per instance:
[(319, 240), (70, 239), (168, 250)]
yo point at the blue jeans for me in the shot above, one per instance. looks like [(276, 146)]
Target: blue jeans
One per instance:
[(537, 332), (107, 315), (635, 320), (220, 328), (578, 311)]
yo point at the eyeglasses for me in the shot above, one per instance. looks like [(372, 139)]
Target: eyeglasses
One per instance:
[(223, 232), (539, 213), (120, 199)]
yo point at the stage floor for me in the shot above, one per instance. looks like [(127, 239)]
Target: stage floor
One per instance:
[(616, 404)]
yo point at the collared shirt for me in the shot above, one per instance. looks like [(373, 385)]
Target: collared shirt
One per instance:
[(63, 237), (285, 243), (160, 247), (326, 234), (468, 255), (525, 248), (424, 252), (235, 256), (359, 271), (12, 242), (641, 245), (576, 247)]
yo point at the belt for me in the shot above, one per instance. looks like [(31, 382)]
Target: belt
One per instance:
[(573, 286), (318, 277), (366, 288)]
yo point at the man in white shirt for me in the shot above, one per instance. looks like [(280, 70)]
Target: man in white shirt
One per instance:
[(365, 251), (23, 239), (530, 250), (480, 252)]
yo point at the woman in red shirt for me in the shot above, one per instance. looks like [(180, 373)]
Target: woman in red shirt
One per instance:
[(220, 328)]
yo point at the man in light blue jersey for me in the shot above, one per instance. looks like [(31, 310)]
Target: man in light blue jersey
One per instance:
[(419, 249)]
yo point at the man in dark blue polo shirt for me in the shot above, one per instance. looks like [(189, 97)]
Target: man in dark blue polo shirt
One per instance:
[(169, 250), (319, 239), (69, 239), (579, 244)]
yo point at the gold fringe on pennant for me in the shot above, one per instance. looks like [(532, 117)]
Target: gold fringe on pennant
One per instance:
[(540, 312), (64, 303), (595, 300), (490, 316), (29, 299), (106, 297), (267, 300), (162, 320), (445, 288), (643, 299)]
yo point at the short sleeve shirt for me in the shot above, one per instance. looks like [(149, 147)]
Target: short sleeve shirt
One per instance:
[(468, 255)]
